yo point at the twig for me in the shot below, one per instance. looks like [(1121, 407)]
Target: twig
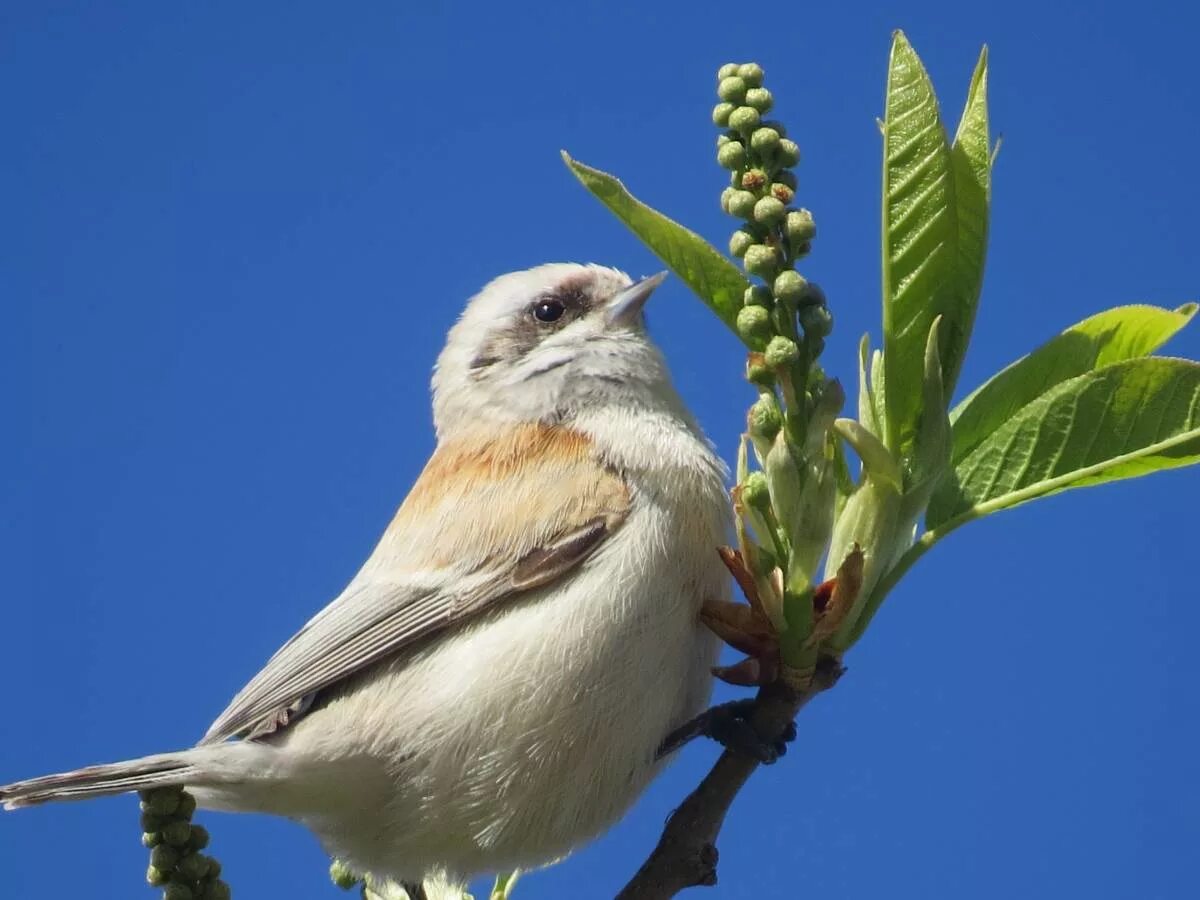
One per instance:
[(686, 854)]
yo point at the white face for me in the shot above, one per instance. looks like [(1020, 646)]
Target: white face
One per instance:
[(541, 344)]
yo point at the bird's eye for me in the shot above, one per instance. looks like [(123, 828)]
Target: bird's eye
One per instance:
[(549, 311)]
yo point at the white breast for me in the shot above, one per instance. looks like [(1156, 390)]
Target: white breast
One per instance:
[(514, 739)]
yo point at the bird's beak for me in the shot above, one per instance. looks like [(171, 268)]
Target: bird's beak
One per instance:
[(626, 306)]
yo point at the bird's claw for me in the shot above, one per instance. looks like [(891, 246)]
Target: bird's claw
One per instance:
[(729, 725)]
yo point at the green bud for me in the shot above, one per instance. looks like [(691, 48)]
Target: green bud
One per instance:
[(780, 352), (782, 193), (768, 211), (161, 801), (789, 153), (214, 867), (814, 295), (744, 119), (760, 260), (758, 372), (187, 805), (765, 140), (763, 563), (760, 99), (164, 857), (755, 492), (727, 71), (817, 321), (722, 140), (800, 227), (757, 295), (177, 833), (790, 287), (156, 877), (725, 195), (741, 204), (217, 890), (731, 89), (732, 156), (776, 126), (740, 242), (754, 325), (177, 891), (828, 398), (193, 866), (721, 113), (751, 73), (199, 837), (764, 419), (753, 179), (151, 822), (340, 874)]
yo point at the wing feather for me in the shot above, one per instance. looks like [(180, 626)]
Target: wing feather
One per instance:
[(486, 520)]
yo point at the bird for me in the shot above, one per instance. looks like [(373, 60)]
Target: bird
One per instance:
[(491, 689)]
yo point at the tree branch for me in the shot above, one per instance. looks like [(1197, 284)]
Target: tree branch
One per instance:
[(686, 854)]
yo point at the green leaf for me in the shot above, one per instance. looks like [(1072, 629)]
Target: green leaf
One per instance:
[(971, 157), (934, 240), (920, 235), (1126, 332), (1126, 419), (866, 401), (716, 280), (502, 889), (931, 450)]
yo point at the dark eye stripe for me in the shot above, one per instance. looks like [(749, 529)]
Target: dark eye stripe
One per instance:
[(544, 316)]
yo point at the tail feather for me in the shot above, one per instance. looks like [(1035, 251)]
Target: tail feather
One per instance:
[(162, 770)]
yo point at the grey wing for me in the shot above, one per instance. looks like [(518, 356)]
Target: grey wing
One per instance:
[(356, 629), (374, 620)]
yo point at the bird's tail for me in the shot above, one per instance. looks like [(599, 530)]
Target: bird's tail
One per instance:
[(161, 770)]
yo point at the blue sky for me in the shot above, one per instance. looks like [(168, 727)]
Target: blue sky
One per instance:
[(235, 235)]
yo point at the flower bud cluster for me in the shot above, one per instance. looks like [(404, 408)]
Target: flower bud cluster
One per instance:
[(176, 863), (774, 234), (784, 507)]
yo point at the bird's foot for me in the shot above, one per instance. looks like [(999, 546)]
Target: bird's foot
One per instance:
[(729, 725)]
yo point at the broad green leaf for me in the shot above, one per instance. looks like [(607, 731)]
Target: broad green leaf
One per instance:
[(1126, 332), (920, 237), (1126, 419), (972, 164), (716, 280)]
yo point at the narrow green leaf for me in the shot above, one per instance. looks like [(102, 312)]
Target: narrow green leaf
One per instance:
[(866, 402), (879, 394), (716, 280), (920, 236), (1126, 332), (931, 449), (502, 889), (1126, 419), (972, 163)]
